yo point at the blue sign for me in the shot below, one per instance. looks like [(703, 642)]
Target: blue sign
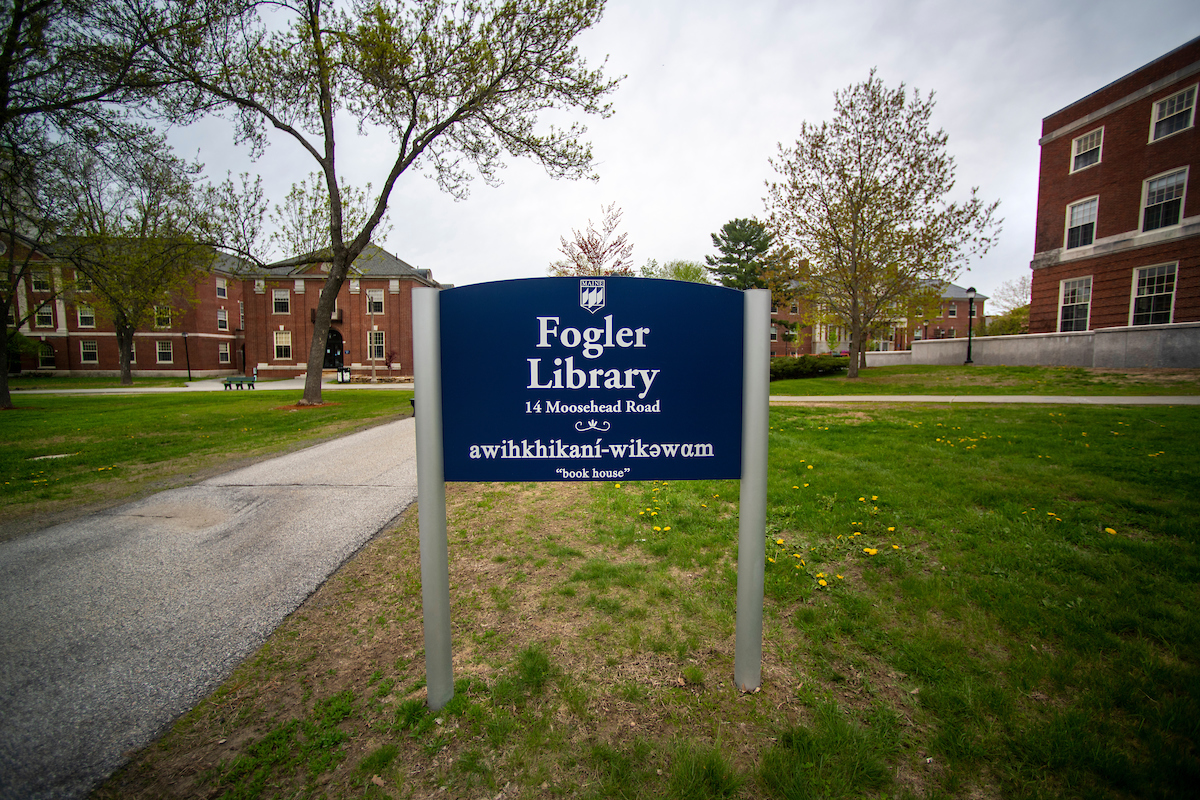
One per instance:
[(559, 379)]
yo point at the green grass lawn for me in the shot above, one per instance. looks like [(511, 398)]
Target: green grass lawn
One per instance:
[(976, 380), (24, 383), (108, 446), (979, 601)]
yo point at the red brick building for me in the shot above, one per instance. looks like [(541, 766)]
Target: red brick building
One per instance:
[(1118, 231), (236, 324)]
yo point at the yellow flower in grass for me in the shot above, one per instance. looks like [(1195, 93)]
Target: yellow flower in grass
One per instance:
[(870, 551), (770, 559), (862, 499), (839, 577), (1110, 530), (779, 541), (795, 555), (822, 583), (895, 547), (806, 486), (892, 528), (657, 528), (874, 497), (810, 466), (797, 487), (667, 528), (820, 574)]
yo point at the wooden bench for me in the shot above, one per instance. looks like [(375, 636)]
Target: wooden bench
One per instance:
[(239, 381)]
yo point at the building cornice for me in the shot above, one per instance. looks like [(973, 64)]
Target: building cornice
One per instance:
[(1127, 100), (1120, 243)]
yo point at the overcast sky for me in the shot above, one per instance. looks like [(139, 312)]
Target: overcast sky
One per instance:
[(713, 86)]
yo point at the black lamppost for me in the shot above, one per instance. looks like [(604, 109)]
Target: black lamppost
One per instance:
[(187, 356), (970, 319)]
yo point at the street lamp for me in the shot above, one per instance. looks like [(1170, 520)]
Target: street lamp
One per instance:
[(187, 356), (970, 320)]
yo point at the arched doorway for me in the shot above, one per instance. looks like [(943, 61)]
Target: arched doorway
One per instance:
[(333, 350)]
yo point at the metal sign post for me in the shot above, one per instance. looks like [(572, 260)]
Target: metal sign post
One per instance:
[(590, 379)]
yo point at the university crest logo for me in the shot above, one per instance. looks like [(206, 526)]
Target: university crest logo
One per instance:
[(591, 294)]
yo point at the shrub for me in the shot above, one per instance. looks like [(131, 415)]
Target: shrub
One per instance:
[(806, 366)]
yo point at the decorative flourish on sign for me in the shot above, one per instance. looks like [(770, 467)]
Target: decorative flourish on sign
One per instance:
[(592, 425)]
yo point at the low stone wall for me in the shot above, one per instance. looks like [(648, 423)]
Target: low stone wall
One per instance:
[(1153, 346)]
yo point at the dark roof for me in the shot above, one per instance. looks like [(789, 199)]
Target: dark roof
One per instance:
[(375, 262)]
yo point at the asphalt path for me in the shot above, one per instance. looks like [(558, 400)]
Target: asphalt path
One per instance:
[(115, 624)]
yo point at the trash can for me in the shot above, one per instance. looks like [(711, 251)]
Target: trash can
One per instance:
[(343, 375)]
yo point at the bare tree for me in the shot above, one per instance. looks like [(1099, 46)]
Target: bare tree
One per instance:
[(595, 251)]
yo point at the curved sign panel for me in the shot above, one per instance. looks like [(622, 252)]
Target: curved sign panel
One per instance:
[(558, 379)]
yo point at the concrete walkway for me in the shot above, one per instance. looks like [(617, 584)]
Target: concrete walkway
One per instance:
[(115, 624)]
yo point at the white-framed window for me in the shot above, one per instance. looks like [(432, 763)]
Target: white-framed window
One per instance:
[(222, 288), (241, 316), (44, 316), (952, 333), (774, 333), (166, 352), (1085, 150), (46, 357), (223, 352), (162, 316), (1173, 114), (133, 352), (89, 352), (283, 344), (82, 282), (41, 280), (222, 319), (1163, 204), (951, 310), (281, 301), (1153, 295), (87, 316), (374, 301), (1081, 222), (1074, 304), (375, 345)]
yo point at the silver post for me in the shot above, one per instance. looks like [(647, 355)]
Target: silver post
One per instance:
[(752, 513), (431, 497)]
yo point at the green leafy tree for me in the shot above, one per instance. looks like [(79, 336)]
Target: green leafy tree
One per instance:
[(1016, 321), (136, 231), (62, 79), (301, 221), (676, 270), (865, 199), (593, 251), (456, 84), (744, 245)]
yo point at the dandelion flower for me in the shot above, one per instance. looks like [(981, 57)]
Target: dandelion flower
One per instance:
[(657, 528), (667, 528), (892, 528), (770, 559), (895, 547), (1110, 530), (796, 487), (810, 466), (779, 541), (862, 499), (870, 551), (839, 577), (823, 583), (820, 574), (874, 497), (618, 486), (795, 555), (806, 486)]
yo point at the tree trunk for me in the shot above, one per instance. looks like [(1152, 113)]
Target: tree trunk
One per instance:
[(320, 338), (856, 344), (862, 358), (5, 395), (125, 352)]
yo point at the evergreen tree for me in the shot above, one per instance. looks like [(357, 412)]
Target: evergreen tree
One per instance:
[(744, 245)]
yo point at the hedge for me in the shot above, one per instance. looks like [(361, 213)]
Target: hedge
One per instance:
[(807, 366)]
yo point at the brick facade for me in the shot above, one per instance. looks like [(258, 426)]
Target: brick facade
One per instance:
[(1105, 159), (231, 326)]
